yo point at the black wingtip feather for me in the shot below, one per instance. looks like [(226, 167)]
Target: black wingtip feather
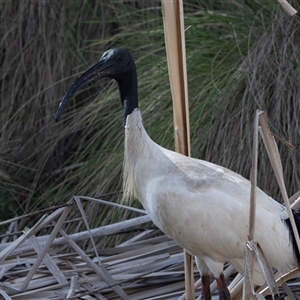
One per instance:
[(296, 216)]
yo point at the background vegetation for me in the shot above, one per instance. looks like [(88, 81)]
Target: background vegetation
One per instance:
[(241, 56)]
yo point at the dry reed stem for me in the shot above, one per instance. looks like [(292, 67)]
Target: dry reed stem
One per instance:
[(236, 287), (252, 249), (138, 210), (253, 178), (73, 286), (287, 7), (173, 17), (173, 20), (79, 205), (265, 267), (248, 286), (5, 296)]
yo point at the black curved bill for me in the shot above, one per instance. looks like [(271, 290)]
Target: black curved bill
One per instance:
[(99, 70)]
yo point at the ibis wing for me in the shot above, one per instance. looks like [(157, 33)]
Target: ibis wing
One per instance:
[(198, 174)]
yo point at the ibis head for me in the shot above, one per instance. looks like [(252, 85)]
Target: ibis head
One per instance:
[(114, 63)]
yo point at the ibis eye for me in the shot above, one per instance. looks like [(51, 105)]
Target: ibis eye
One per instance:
[(119, 58)]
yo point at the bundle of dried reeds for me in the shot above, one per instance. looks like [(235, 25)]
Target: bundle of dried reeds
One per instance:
[(148, 265), (145, 266)]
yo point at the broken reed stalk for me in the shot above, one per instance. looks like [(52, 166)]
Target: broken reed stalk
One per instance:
[(287, 7), (173, 19)]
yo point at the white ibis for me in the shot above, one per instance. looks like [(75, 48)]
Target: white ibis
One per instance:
[(202, 206)]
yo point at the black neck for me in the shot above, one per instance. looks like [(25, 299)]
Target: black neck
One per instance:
[(128, 92)]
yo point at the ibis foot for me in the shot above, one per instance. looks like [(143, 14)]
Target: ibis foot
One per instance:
[(224, 293), (205, 281)]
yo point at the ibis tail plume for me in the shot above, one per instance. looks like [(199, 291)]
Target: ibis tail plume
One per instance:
[(202, 206)]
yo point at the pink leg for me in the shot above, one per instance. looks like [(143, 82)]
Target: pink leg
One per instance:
[(205, 280), (224, 293)]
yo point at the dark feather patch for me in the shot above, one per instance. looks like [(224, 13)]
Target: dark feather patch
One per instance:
[(296, 216)]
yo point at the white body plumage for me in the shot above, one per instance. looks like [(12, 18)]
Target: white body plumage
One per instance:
[(202, 206)]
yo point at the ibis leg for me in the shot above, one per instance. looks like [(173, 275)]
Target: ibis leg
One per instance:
[(224, 293), (205, 281)]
